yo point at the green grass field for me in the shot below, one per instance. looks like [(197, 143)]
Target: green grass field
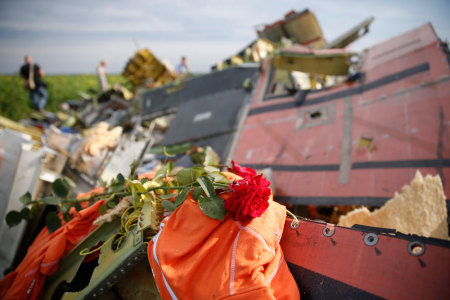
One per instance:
[(14, 99)]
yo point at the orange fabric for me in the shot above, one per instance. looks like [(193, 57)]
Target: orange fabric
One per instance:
[(43, 256), (197, 257)]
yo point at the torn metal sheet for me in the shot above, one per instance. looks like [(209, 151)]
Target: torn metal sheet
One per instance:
[(324, 164), (325, 62), (256, 51), (144, 68), (302, 26), (351, 35)]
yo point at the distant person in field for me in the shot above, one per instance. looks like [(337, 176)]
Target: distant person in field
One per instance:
[(32, 74), (182, 68), (101, 73)]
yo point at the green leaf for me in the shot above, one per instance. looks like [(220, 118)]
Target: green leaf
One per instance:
[(213, 207), (210, 169), (197, 192), (13, 218), (216, 174), (26, 198), (52, 200), (187, 176), (209, 158), (52, 221), (137, 185), (34, 209), (120, 178), (102, 183), (26, 213), (136, 198), (168, 205), (66, 217), (111, 204), (206, 185), (166, 197), (102, 209), (65, 208), (60, 188), (117, 187), (198, 158), (144, 180), (169, 167), (179, 199), (116, 199), (247, 84), (219, 177), (133, 167), (78, 206), (164, 170), (70, 182)]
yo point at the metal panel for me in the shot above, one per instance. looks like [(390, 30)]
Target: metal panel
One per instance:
[(401, 108), (350, 36), (206, 117), (165, 98), (330, 262), (20, 171)]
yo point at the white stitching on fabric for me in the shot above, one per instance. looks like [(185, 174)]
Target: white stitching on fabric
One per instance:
[(257, 235), (49, 263), (233, 264), (31, 271), (30, 289), (155, 241), (172, 294), (269, 279)]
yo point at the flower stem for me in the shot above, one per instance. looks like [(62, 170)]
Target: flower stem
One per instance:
[(292, 215)]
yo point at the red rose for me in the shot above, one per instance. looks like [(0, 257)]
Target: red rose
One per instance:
[(249, 198), (244, 172)]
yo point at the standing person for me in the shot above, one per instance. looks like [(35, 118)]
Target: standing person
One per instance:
[(101, 73), (33, 74), (183, 68)]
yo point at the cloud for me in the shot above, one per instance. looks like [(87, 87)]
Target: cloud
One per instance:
[(154, 25), (205, 31), (95, 18)]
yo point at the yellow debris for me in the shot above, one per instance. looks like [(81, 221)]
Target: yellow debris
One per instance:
[(420, 209), (100, 137)]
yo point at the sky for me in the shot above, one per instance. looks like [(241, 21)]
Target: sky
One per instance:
[(70, 37)]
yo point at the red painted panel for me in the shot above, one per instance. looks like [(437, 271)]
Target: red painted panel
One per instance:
[(362, 182), (385, 269), (408, 119), (397, 47)]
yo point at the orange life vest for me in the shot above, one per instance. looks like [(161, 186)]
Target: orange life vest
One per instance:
[(196, 257), (43, 256)]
